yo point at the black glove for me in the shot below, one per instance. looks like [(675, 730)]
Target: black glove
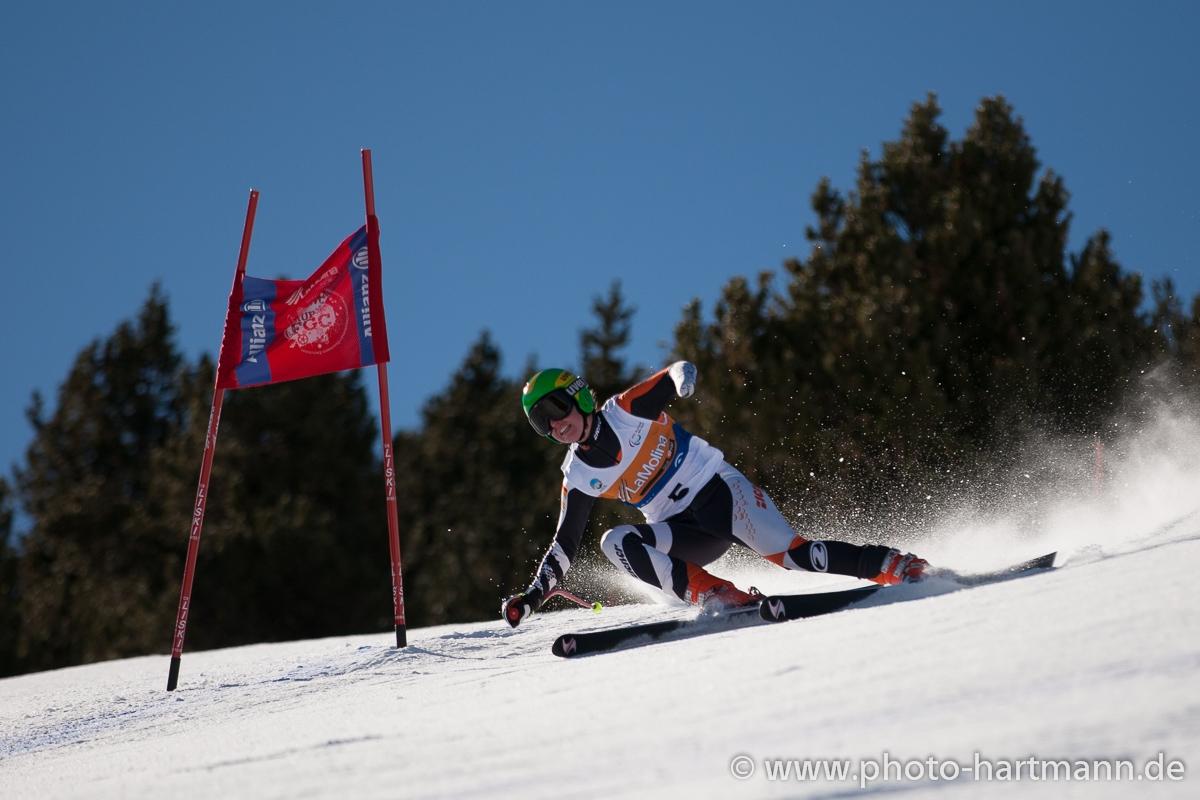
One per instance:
[(520, 606)]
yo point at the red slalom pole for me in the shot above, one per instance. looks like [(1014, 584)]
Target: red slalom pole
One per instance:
[(210, 449), (385, 419)]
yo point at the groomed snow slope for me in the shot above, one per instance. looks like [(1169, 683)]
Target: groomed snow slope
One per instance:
[(1099, 659)]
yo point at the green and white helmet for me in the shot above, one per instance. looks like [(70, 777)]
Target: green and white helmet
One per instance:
[(551, 394)]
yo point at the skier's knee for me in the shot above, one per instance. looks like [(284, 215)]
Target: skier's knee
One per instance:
[(616, 541)]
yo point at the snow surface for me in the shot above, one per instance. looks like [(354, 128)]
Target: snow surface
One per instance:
[(1098, 659)]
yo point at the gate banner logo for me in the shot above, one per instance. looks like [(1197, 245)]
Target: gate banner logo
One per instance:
[(284, 330)]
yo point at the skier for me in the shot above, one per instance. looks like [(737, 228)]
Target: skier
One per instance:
[(696, 505)]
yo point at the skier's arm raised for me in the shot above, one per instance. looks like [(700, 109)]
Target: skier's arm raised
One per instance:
[(650, 397), (572, 522)]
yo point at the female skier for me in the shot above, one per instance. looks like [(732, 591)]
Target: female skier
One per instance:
[(696, 505)]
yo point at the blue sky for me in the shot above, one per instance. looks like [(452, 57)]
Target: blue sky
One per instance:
[(528, 153)]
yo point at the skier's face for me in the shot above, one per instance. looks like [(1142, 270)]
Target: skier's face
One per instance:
[(568, 429)]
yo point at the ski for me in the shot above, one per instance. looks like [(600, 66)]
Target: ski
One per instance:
[(978, 579), (579, 644), (774, 608), (781, 608), (784, 607)]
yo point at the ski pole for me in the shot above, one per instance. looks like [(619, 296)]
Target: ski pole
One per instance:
[(574, 598)]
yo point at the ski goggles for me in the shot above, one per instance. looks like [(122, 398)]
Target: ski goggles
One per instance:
[(551, 408)]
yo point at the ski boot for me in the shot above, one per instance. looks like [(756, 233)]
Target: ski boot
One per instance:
[(714, 594), (900, 567)]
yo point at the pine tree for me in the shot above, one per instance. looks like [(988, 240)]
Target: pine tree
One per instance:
[(600, 346), (934, 323), (475, 509), (1111, 339), (88, 589), (295, 537), (608, 374), (10, 598), (295, 540)]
